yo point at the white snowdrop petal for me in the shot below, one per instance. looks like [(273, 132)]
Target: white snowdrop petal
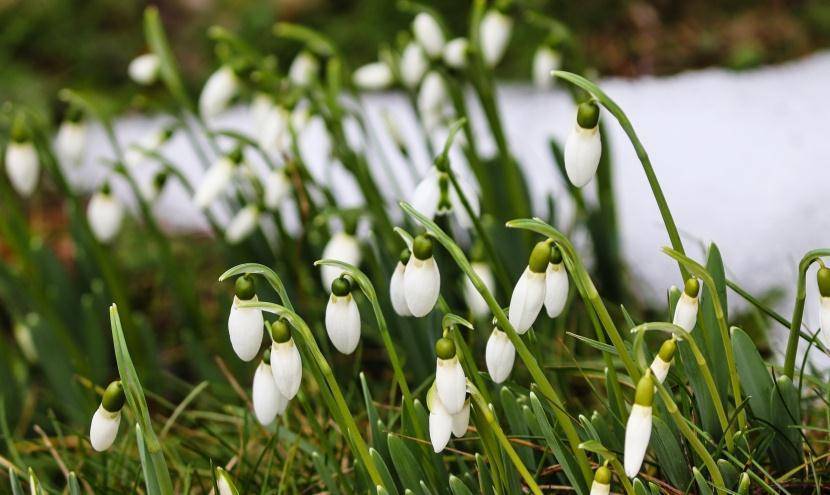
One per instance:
[(685, 313), (440, 429), (397, 292), (429, 34), (343, 323), (71, 141), (372, 77), (277, 188), (527, 300), (104, 428), (600, 488), (272, 135), (499, 355), (144, 69), (660, 369), (22, 167), (414, 65), (426, 195), (637, 435), (432, 97), (219, 90), (556, 289), (104, 213), (450, 384), (215, 182), (303, 69), (495, 31), (582, 153), (246, 329), (458, 206), (545, 60), (267, 399), (824, 320), (461, 420), (287, 367), (455, 53), (242, 224), (476, 303), (422, 284), (341, 247)]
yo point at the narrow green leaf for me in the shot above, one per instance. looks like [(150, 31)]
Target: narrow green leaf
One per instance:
[(755, 379), (558, 447), (458, 487), (669, 453), (407, 467), (702, 485), (386, 476)]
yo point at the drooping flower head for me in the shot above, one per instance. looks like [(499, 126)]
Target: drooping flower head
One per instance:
[(413, 65), (638, 428), (421, 279), (429, 34), (144, 69), (823, 278), (662, 362), (435, 195), (70, 141), (225, 483), (221, 87), (105, 213), (217, 178), (685, 313), (556, 284), (584, 146), (475, 302), (529, 292), (602, 481), (245, 325), (545, 61), (243, 224), (343, 246), (450, 380), (22, 164), (455, 53), (442, 424), (104, 426), (495, 31), (267, 398), (500, 355), (373, 76), (397, 290), (342, 316), (286, 363)]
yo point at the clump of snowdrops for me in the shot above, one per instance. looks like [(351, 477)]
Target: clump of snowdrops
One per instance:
[(397, 346)]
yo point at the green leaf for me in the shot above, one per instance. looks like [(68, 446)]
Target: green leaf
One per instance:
[(73, 485), (712, 342), (485, 479), (785, 412), (15, 483), (385, 475), (669, 453), (702, 485), (326, 473), (729, 473), (408, 468), (516, 422), (150, 476), (458, 487), (755, 379), (558, 447), (639, 487)]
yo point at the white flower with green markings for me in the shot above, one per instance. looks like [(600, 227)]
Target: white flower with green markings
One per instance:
[(104, 426), (421, 279), (221, 87), (545, 61), (495, 31), (638, 428), (286, 363), (450, 380), (343, 246), (70, 141), (602, 481), (267, 398), (685, 313), (144, 69), (245, 325), (22, 163), (556, 284), (529, 293), (429, 34), (397, 291), (661, 364), (583, 148), (823, 277), (342, 316), (500, 354), (105, 214)]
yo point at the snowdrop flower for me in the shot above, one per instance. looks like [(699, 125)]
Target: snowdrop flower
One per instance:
[(303, 69), (342, 316), (442, 424), (414, 64), (450, 381), (22, 164), (277, 188), (372, 77), (71, 139), (144, 69), (495, 32), (685, 313), (429, 34), (432, 99), (135, 154), (602, 481), (476, 303), (638, 429), (545, 61), (500, 355), (225, 483), (556, 284), (267, 398), (286, 363), (341, 247), (824, 304), (220, 88), (455, 53), (216, 179), (104, 213), (529, 293), (272, 135), (242, 224), (421, 278), (397, 291), (435, 195), (107, 417), (245, 325), (261, 104), (662, 362), (584, 146)]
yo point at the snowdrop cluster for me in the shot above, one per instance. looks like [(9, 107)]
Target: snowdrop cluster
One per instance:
[(638, 428), (824, 304), (449, 407), (685, 313), (105, 214), (342, 316), (420, 284), (104, 426), (544, 282), (22, 163), (583, 147)]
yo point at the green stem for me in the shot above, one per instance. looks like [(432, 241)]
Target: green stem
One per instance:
[(798, 309)]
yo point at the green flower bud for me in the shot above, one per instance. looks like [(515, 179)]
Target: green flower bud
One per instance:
[(555, 255), (539, 257), (341, 287), (587, 115), (644, 394), (404, 256), (445, 348), (602, 475), (280, 331), (245, 287), (824, 281), (667, 350), (422, 247), (113, 399), (692, 287)]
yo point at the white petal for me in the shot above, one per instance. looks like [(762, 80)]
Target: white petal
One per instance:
[(104, 428), (104, 213), (273, 134), (458, 207), (500, 355), (268, 401), (303, 69), (495, 34), (372, 77), (660, 369), (341, 247), (476, 303), (277, 187), (545, 60), (461, 420), (414, 65), (343, 323), (685, 314), (637, 435), (429, 34), (219, 90), (450, 384), (144, 69), (422, 284), (215, 182), (225, 485), (242, 224), (526, 301), (440, 429), (70, 141), (455, 53), (600, 489), (260, 106), (287, 367), (23, 167), (556, 289), (426, 195), (397, 292), (582, 152), (432, 97), (824, 319), (246, 329)]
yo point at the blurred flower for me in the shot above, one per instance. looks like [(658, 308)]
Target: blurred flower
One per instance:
[(245, 325), (556, 284), (242, 224), (583, 147), (216, 179), (372, 77), (478, 306), (71, 141), (435, 195), (529, 292), (495, 33), (303, 70), (104, 426), (450, 381), (341, 247), (421, 278), (638, 428), (455, 53), (135, 154), (685, 313), (545, 61), (22, 163), (277, 188), (144, 69), (267, 398), (286, 363), (104, 213), (429, 34), (342, 317), (414, 65), (500, 355), (432, 100), (220, 88)]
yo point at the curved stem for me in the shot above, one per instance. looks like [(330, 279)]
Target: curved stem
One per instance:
[(798, 309)]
